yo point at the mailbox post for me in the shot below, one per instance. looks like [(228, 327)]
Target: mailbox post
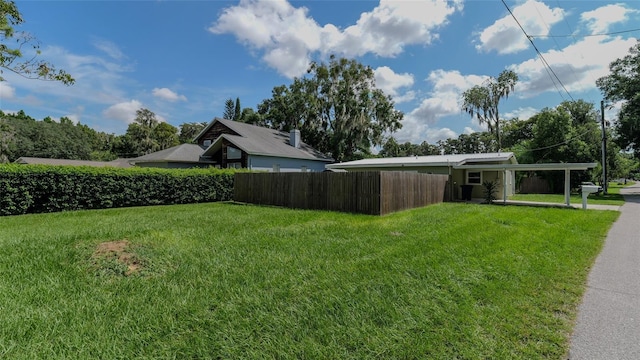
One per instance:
[(586, 190)]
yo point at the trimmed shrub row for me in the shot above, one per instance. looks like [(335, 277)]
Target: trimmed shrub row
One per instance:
[(43, 188)]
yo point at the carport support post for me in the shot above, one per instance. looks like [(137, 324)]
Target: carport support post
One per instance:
[(567, 186), (504, 188)]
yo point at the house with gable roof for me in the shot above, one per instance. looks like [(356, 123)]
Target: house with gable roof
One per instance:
[(231, 144)]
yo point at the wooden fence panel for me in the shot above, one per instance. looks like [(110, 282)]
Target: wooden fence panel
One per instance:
[(371, 192)]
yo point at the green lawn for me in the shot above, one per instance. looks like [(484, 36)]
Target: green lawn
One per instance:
[(230, 281), (612, 197)]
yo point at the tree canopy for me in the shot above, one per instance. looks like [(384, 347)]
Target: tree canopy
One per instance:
[(623, 84), (337, 108)]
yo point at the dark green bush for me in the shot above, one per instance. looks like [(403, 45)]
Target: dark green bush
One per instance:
[(490, 188), (42, 188)]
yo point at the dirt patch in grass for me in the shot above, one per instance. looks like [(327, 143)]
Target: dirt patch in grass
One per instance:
[(117, 257)]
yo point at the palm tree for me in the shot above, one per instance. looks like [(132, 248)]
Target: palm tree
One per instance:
[(481, 101)]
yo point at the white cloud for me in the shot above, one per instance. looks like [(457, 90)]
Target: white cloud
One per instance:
[(578, 66), (288, 36), (600, 19), (124, 111), (109, 48), (505, 36), (285, 33), (391, 83), (416, 131), (6, 91), (167, 94), (392, 25), (98, 80), (522, 113), (444, 100), (468, 130), (445, 97)]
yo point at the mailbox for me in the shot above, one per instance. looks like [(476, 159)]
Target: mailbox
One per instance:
[(586, 190)]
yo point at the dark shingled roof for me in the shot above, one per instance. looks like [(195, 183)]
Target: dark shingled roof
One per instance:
[(256, 140), (189, 153)]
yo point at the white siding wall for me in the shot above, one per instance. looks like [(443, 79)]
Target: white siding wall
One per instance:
[(266, 163)]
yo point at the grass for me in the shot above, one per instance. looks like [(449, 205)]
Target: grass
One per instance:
[(612, 197), (230, 281)]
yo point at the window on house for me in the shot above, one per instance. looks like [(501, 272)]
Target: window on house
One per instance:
[(234, 165), (474, 177), (276, 167), (206, 143), (233, 153)]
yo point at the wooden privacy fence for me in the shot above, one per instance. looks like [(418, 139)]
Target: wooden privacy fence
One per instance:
[(370, 192), (534, 185)]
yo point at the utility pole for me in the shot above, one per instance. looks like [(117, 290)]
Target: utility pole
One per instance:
[(605, 183)]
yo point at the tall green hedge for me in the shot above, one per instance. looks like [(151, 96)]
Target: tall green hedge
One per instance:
[(43, 188)]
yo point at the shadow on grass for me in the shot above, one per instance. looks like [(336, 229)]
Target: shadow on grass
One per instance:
[(607, 197)]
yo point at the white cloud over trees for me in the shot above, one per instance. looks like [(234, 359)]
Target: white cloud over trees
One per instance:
[(168, 95), (504, 36), (287, 36)]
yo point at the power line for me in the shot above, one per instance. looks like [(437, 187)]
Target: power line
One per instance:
[(558, 46), (544, 61), (587, 35)]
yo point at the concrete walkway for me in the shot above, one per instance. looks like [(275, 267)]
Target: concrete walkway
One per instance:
[(608, 324)]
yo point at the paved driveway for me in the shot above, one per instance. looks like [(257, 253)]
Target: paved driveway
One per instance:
[(608, 324)]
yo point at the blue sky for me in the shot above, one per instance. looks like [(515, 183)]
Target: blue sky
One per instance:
[(183, 59)]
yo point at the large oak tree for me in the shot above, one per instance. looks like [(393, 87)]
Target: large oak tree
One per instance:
[(337, 108)]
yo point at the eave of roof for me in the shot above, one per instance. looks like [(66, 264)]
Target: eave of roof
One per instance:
[(183, 153), (529, 167), (424, 161)]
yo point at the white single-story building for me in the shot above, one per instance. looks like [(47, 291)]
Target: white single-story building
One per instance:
[(467, 172)]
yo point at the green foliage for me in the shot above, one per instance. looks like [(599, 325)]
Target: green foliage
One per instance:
[(474, 143), (481, 101), (10, 56), (391, 148), (237, 111), (489, 190), (188, 131), (564, 135), (146, 135), (623, 84), (37, 189), (7, 136), (21, 135), (337, 109), (166, 135), (249, 116), (625, 164), (229, 110)]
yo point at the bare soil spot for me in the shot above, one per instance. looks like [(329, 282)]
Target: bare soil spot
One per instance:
[(121, 253)]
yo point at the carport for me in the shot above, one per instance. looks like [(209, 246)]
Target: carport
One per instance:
[(566, 167)]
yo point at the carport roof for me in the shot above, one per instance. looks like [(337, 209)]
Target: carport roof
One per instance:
[(422, 161), (529, 167)]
